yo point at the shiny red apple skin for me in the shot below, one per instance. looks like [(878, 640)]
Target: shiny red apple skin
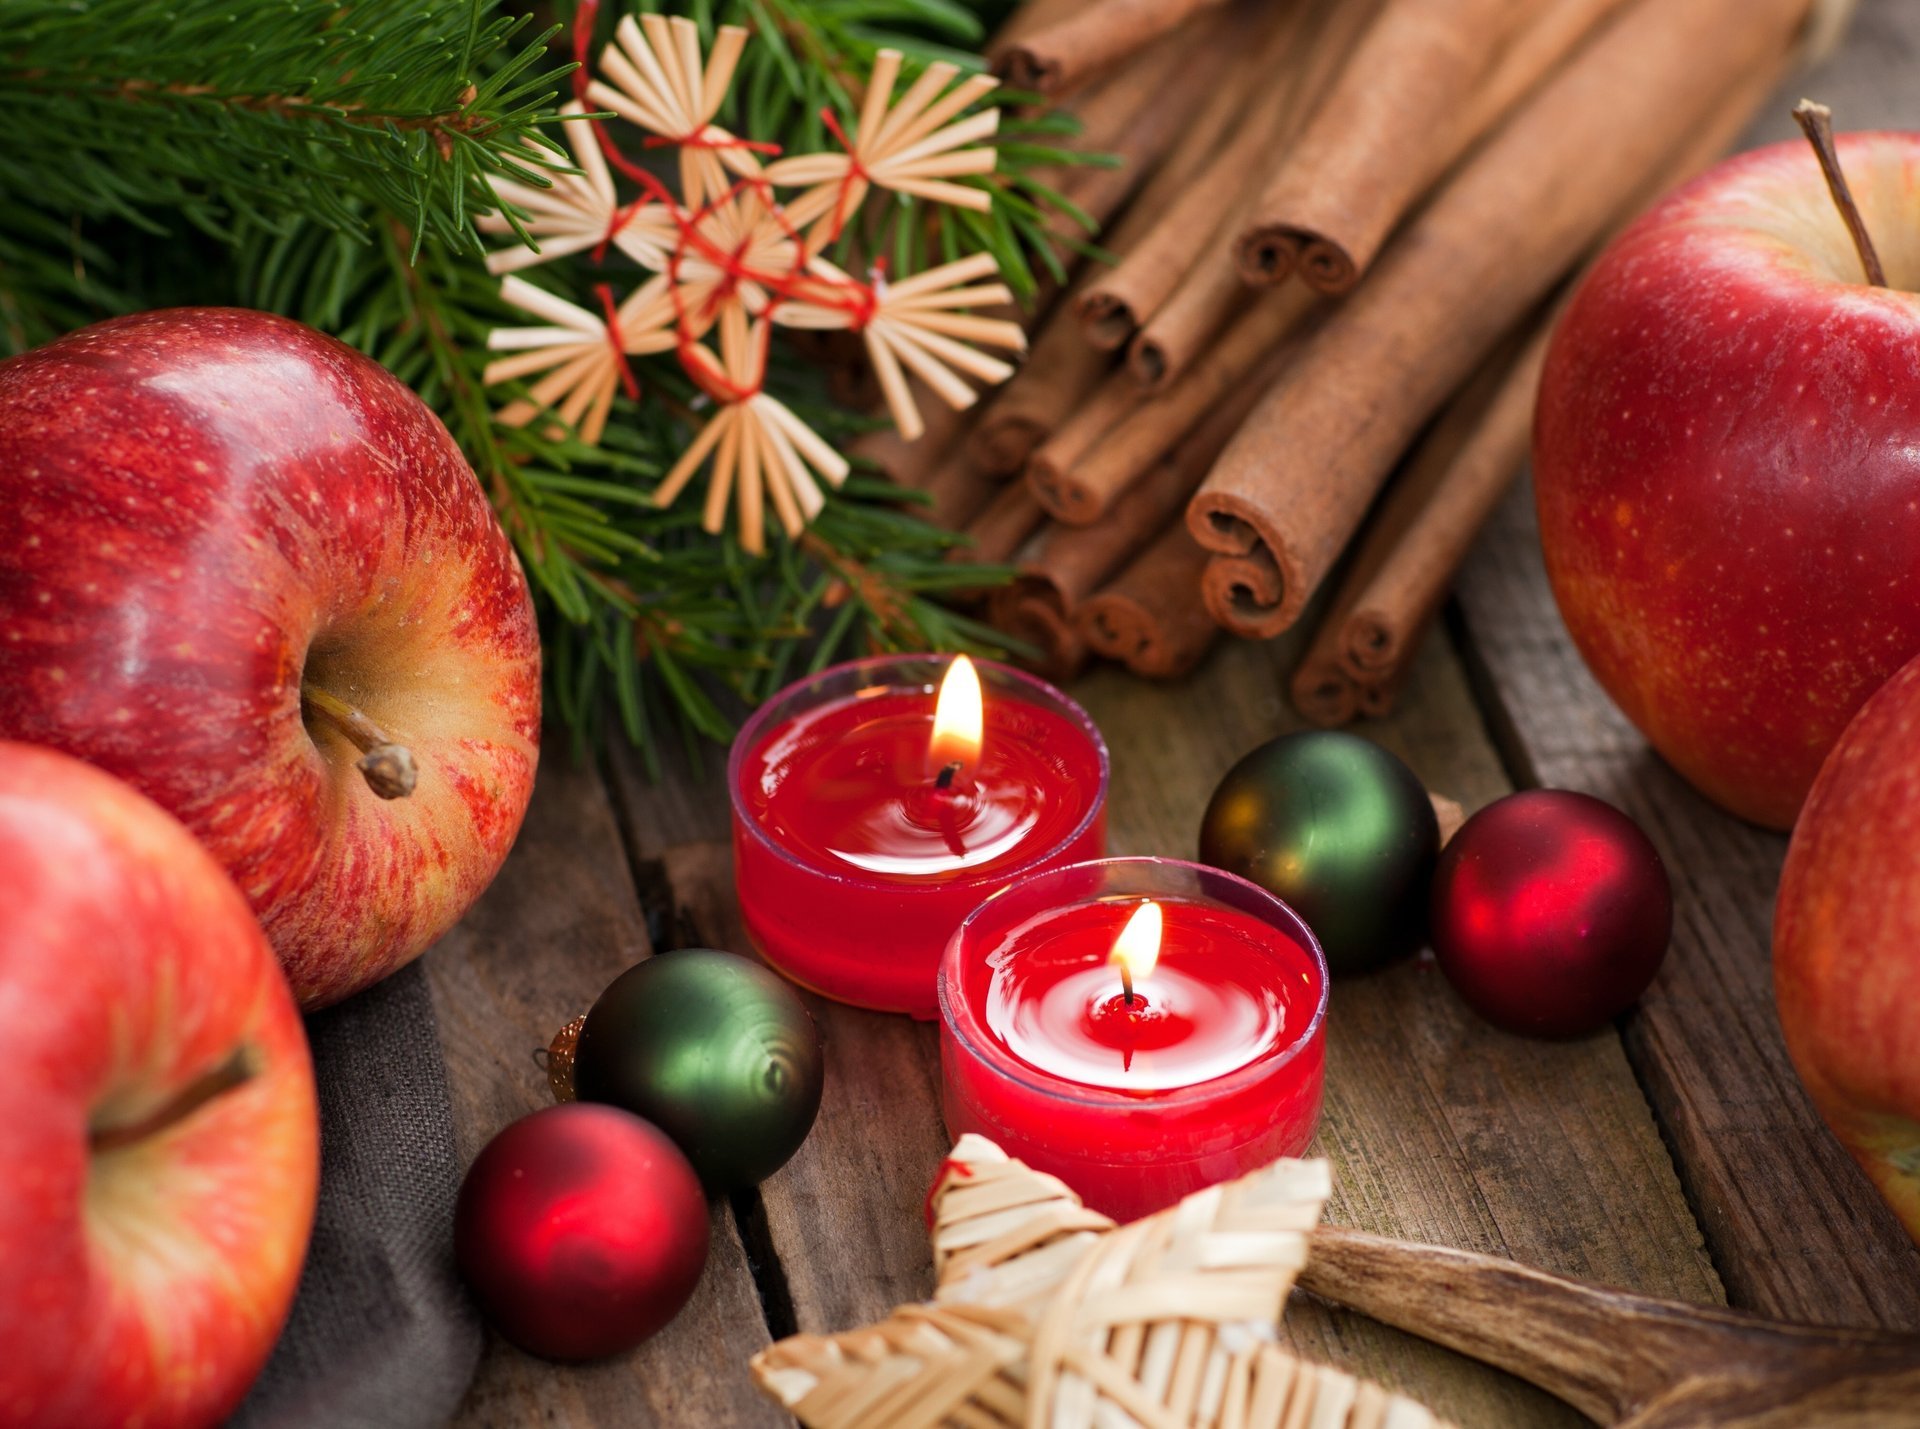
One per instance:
[(199, 510), (1846, 942), (1727, 465), (145, 1284)]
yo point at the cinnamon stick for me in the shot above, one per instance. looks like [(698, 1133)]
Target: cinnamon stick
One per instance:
[(960, 491), (1152, 616), (1428, 80), (1141, 115), (1465, 465), (1061, 369), (1001, 526), (1324, 689), (1071, 562), (1028, 19), (1060, 55), (1295, 482), (1079, 485), (912, 462), (1059, 650), (1265, 81), (1210, 292), (1106, 408), (1379, 695), (1470, 460), (1066, 564)]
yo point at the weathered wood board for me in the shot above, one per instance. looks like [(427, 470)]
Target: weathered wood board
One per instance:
[(1676, 1155), (1793, 1225)]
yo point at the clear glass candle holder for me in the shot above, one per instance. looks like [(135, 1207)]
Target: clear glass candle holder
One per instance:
[(1111, 1087), (852, 869)]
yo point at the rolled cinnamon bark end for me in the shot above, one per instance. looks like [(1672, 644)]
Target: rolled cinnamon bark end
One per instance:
[(1002, 442), (1058, 56), (1060, 372), (1003, 604), (1381, 695), (1266, 256), (1059, 651), (1107, 320), (1326, 266), (1115, 626), (1065, 499), (1148, 362), (1371, 643), (1324, 693), (1248, 595), (1152, 616), (1024, 67)]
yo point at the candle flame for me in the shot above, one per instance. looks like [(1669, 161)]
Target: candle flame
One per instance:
[(1137, 948), (957, 719)]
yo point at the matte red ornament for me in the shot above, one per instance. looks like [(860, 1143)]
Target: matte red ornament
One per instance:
[(1551, 913), (581, 1230)]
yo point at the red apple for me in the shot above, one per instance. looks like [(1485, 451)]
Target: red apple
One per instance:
[(159, 1141), (1846, 942), (1727, 461), (237, 555)]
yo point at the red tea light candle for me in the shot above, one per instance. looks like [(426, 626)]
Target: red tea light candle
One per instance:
[(1138, 1027), (877, 804)]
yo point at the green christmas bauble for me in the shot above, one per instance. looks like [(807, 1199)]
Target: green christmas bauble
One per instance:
[(713, 1049), (1339, 830)]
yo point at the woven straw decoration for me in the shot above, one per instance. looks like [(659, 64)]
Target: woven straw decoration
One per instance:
[(1167, 1323), (909, 148), (1004, 1234), (920, 1368), (756, 442), (579, 212), (913, 324), (744, 227), (577, 352), (656, 80), (727, 255)]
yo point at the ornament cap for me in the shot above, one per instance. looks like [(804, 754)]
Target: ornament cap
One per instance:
[(559, 1060)]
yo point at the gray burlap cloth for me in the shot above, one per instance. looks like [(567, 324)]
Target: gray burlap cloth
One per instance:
[(382, 1335)]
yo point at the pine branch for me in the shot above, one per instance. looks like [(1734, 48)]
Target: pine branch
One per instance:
[(145, 109), (324, 159)]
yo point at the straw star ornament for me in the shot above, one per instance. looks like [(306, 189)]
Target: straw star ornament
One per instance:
[(1049, 1316), (731, 258)]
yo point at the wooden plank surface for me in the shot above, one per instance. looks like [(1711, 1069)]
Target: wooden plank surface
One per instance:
[(1793, 1225), (1440, 1128), (560, 922), (844, 1217)]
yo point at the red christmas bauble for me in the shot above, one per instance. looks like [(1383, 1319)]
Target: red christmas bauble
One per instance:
[(581, 1230), (1551, 913)]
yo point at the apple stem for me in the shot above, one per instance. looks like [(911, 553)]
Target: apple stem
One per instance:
[(387, 767), (1816, 122), (236, 1071)]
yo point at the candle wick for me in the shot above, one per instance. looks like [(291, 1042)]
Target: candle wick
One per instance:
[(1126, 982), (948, 775)]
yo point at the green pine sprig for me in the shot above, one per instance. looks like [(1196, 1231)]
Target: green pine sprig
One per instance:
[(325, 159)]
